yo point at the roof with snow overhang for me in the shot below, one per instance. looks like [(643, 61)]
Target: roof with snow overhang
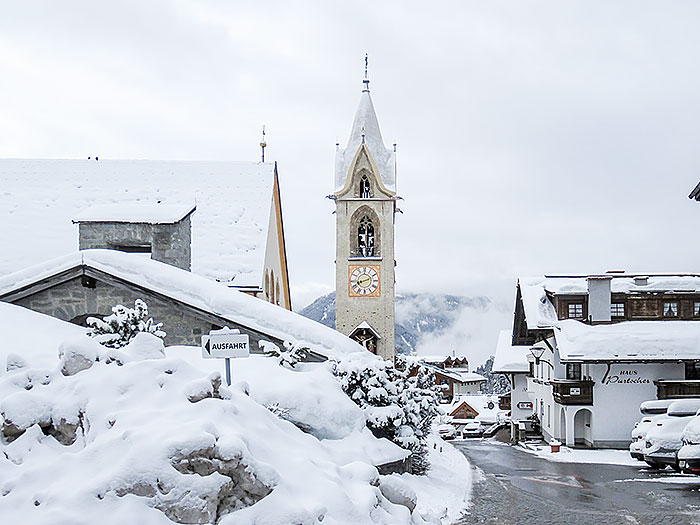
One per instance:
[(510, 358), (39, 199), (628, 341), (193, 290), (149, 213)]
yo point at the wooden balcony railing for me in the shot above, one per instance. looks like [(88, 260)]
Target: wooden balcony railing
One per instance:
[(673, 388), (572, 392)]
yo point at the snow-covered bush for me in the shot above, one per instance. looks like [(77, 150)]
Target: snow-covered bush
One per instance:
[(117, 329), (399, 405), (290, 356)]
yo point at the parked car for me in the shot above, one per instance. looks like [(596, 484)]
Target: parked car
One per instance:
[(653, 411), (447, 431), (473, 429), (689, 454), (663, 441)]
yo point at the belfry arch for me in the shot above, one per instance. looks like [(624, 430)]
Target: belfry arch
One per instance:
[(365, 240)]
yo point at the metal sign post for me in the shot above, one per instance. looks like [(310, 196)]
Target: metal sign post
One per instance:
[(225, 344)]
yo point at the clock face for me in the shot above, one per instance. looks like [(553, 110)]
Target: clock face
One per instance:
[(364, 281)]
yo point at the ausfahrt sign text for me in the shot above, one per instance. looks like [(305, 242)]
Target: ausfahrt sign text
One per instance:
[(217, 346)]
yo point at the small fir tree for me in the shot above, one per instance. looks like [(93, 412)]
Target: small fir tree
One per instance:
[(117, 329), (399, 405)]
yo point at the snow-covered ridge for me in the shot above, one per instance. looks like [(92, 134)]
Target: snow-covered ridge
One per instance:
[(197, 291), (155, 213)]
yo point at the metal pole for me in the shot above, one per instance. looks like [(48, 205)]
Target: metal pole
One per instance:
[(228, 371)]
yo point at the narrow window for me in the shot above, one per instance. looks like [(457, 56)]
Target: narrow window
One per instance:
[(692, 369), (696, 309), (671, 309), (575, 310), (365, 188), (617, 310), (573, 371), (365, 238)]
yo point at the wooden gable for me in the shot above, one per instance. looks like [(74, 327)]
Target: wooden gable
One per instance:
[(464, 411)]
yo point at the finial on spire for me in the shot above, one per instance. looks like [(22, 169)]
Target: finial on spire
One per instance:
[(263, 144), (365, 81)]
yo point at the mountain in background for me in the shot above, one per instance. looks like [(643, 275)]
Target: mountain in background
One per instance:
[(436, 324)]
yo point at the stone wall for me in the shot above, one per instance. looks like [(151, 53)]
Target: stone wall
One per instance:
[(71, 299), (169, 243)]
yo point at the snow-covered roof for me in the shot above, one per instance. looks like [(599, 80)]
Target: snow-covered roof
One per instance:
[(39, 199), (540, 313), (628, 341), (196, 291), (150, 213), (365, 129), (440, 358), (462, 375), (510, 359)]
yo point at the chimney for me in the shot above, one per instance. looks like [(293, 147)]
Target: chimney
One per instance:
[(641, 280), (599, 298)]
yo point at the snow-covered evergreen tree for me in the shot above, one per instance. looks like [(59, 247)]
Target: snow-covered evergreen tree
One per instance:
[(495, 383), (399, 405), (117, 329)]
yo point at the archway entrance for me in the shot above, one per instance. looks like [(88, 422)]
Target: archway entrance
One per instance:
[(583, 428)]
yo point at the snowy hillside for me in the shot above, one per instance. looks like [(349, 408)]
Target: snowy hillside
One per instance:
[(437, 324), (148, 434)]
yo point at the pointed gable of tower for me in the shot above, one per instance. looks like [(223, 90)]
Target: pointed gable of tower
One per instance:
[(365, 130)]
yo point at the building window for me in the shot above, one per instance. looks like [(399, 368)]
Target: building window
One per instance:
[(575, 310), (692, 370), (573, 371), (365, 237), (671, 309), (365, 188), (532, 369), (617, 309), (696, 308)]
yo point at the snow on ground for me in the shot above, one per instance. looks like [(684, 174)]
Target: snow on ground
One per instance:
[(677, 479), (446, 490), (569, 455), (147, 434)]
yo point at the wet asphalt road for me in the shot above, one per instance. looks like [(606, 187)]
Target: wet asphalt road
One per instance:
[(514, 487)]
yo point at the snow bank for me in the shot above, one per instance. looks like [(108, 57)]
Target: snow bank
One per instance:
[(30, 339), (568, 455), (138, 435)]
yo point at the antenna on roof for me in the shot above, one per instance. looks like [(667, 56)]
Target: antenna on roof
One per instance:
[(263, 144), (365, 81)]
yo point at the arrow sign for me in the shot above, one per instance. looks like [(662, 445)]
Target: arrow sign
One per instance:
[(218, 346)]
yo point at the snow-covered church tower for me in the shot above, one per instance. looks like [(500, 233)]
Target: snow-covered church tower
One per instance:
[(365, 198)]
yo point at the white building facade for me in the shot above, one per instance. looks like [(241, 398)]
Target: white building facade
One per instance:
[(601, 345)]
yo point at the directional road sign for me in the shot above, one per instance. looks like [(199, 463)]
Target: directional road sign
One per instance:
[(217, 346)]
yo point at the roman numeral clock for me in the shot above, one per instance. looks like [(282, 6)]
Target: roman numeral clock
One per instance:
[(365, 207), (365, 281)]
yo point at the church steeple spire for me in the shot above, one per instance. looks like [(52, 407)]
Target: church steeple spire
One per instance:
[(366, 132)]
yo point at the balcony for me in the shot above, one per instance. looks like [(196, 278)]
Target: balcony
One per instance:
[(572, 392), (674, 388)]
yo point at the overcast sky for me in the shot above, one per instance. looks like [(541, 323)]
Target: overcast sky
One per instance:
[(533, 137)]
